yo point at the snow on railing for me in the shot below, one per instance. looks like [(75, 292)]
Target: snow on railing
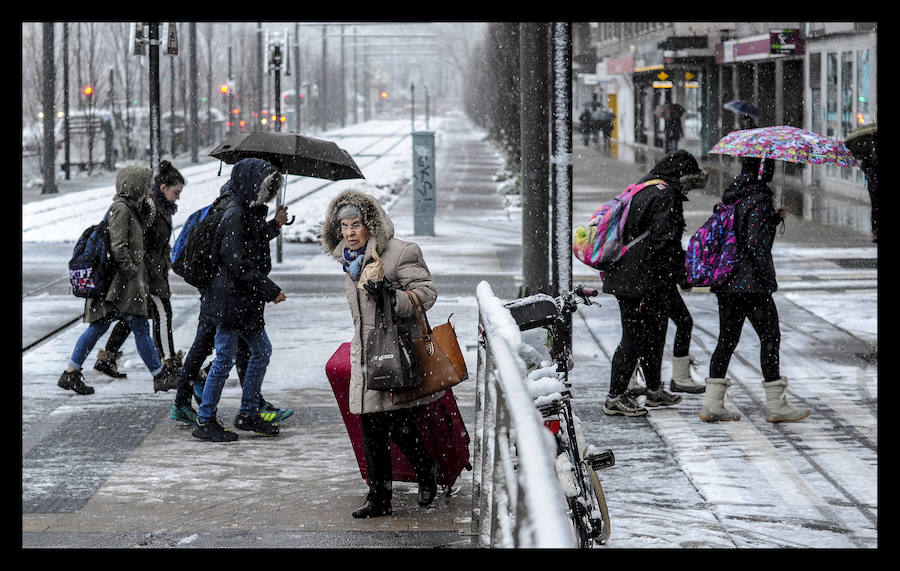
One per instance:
[(517, 498)]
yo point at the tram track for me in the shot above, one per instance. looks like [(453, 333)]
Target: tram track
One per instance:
[(369, 154)]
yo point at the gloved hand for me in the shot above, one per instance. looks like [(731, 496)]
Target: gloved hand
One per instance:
[(375, 291)]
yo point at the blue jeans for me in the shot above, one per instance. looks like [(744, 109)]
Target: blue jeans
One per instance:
[(226, 344), (140, 326)]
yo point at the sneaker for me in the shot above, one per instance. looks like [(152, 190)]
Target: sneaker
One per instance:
[(74, 381), (661, 397), (623, 404), (184, 414), (212, 431), (263, 423), (106, 364), (280, 413)]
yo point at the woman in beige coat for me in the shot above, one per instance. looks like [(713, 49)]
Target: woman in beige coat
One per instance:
[(357, 232)]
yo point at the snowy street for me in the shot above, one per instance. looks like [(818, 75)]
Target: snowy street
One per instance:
[(112, 470)]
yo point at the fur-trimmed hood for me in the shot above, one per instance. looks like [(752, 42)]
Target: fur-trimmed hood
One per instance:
[(374, 218), (254, 181)]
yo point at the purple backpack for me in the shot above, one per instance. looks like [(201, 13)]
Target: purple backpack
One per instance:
[(712, 253)]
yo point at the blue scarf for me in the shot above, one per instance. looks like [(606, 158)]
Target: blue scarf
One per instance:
[(353, 260)]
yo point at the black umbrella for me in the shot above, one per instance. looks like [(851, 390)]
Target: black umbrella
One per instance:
[(290, 153), (862, 141)]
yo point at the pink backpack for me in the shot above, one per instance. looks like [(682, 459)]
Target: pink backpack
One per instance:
[(601, 242)]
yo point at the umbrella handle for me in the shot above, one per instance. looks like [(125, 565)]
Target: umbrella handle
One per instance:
[(289, 222)]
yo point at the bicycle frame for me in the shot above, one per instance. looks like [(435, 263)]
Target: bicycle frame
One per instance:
[(584, 493)]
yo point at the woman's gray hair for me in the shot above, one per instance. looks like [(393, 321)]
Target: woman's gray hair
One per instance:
[(349, 211)]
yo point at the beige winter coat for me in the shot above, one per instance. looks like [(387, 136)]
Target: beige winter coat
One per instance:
[(404, 269)]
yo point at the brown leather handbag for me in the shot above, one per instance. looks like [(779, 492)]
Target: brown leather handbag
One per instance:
[(440, 360)]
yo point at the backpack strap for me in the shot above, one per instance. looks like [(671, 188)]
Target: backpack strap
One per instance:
[(645, 233)]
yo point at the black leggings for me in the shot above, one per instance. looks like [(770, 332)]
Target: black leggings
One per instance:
[(684, 323), (760, 310), (644, 323), (399, 425)]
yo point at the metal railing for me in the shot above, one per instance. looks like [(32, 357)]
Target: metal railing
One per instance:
[(517, 500)]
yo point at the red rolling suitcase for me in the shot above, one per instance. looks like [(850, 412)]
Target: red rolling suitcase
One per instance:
[(439, 422)]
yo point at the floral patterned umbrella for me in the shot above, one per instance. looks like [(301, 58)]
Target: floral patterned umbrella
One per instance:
[(785, 143)]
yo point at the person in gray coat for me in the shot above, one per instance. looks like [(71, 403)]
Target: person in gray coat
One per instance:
[(356, 232), (128, 294)]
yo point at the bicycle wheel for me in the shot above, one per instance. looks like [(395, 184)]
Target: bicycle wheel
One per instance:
[(600, 498)]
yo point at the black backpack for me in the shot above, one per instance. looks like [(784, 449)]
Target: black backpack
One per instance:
[(192, 258), (91, 267)]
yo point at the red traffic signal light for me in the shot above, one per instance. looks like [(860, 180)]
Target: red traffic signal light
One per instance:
[(88, 90)]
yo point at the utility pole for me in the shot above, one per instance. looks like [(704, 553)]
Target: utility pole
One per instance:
[(49, 106), (297, 84), (192, 72), (153, 41), (561, 157), (534, 134), (66, 96)]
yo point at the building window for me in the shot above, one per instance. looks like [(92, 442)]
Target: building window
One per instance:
[(847, 118), (863, 69)]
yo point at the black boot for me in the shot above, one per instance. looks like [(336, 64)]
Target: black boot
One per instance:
[(167, 378), (74, 381), (378, 502), (106, 364), (428, 486)]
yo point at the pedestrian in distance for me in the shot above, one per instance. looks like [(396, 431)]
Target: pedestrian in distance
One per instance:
[(356, 231), (673, 129), (192, 378), (747, 295), (167, 187), (642, 279), (235, 302), (128, 294), (586, 125)]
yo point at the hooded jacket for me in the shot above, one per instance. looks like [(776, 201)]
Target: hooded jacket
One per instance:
[(755, 222), (236, 297), (404, 269), (127, 221), (156, 241), (652, 265)]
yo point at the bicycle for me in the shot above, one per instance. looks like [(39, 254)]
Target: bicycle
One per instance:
[(577, 464)]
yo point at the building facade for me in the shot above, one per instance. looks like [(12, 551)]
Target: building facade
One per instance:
[(817, 76)]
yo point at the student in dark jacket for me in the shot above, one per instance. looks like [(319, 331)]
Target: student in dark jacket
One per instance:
[(235, 302), (192, 376), (747, 294), (166, 190), (641, 279)]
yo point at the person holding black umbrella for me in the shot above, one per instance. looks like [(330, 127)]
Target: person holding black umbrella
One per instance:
[(235, 302)]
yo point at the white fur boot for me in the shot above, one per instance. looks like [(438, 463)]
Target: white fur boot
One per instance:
[(777, 407), (682, 381), (713, 408)]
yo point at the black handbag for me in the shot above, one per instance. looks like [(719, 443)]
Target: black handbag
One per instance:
[(390, 359)]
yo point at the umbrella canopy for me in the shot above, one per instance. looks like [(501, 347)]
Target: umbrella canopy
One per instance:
[(742, 108), (785, 143), (862, 141), (291, 154)]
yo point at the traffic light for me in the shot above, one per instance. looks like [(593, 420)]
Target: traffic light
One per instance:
[(88, 90), (384, 95), (224, 89)]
